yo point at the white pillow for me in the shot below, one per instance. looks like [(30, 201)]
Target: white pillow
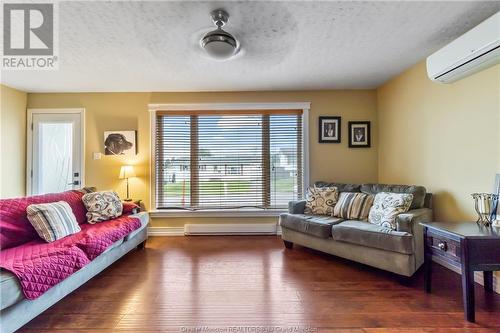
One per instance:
[(387, 206), (321, 200), (102, 206)]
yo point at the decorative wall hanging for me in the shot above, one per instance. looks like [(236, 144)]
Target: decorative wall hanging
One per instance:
[(359, 134), (329, 129), (120, 143)]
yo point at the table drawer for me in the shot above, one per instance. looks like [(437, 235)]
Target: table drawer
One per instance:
[(443, 246)]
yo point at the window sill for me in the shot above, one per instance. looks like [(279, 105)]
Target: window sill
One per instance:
[(216, 213)]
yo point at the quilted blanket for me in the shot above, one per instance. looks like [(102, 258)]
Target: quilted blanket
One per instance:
[(39, 265), (14, 225)]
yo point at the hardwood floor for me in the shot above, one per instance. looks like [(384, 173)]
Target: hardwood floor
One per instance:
[(227, 283)]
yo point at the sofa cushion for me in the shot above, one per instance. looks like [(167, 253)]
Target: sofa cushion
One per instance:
[(115, 244), (340, 186), (315, 225), (10, 289), (15, 229), (417, 191), (372, 235), (387, 206), (52, 221), (102, 206), (353, 206), (321, 200)]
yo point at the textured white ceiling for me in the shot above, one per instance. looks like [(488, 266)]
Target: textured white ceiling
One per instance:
[(153, 46)]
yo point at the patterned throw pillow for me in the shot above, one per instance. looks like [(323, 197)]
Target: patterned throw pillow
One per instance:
[(52, 221), (353, 206), (321, 200), (102, 206), (387, 206)]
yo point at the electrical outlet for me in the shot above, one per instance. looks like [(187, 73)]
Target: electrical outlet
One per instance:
[(97, 156)]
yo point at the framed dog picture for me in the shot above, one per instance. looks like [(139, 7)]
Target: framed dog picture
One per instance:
[(329, 129), (121, 143), (359, 134)]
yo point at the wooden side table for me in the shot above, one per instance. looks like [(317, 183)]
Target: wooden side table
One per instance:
[(467, 246)]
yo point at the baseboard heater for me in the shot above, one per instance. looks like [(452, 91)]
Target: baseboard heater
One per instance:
[(231, 229)]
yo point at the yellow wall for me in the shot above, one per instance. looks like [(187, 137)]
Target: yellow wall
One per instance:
[(443, 136), (125, 111), (12, 142)]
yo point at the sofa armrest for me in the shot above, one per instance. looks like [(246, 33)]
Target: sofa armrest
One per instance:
[(296, 207), (406, 222)]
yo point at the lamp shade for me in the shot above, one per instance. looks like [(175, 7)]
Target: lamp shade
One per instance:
[(127, 171)]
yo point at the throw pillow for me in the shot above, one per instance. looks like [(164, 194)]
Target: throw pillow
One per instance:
[(52, 221), (130, 208), (321, 200), (353, 206), (102, 206), (387, 206)]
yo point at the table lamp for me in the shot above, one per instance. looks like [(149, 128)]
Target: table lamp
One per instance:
[(126, 172)]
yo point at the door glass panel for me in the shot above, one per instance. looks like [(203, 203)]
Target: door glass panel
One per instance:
[(55, 157)]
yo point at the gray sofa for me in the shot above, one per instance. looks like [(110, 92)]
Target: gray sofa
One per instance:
[(17, 310), (399, 251)]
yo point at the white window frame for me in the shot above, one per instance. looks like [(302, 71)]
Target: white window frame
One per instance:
[(153, 108), (29, 141)]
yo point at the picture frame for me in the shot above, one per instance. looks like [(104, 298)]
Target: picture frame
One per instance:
[(120, 143), (330, 129), (359, 134)]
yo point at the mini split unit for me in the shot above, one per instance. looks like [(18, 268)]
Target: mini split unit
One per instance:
[(476, 50)]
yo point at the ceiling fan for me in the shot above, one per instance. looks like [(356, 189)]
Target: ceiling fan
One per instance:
[(218, 43)]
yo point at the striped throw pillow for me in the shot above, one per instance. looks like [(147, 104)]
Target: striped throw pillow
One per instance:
[(353, 206), (52, 221)]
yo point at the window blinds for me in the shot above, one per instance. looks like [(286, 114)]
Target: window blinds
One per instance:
[(228, 159)]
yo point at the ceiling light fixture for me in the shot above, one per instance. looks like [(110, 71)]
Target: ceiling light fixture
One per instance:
[(218, 43)]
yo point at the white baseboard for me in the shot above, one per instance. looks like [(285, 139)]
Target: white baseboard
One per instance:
[(478, 276), (231, 229), (166, 231), (217, 229)]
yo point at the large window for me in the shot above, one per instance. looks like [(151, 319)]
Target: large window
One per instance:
[(228, 159)]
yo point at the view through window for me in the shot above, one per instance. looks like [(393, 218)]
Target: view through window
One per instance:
[(221, 160)]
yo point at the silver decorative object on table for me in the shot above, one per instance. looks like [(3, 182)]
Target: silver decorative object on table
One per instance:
[(485, 205)]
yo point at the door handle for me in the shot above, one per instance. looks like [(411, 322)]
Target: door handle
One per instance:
[(76, 182)]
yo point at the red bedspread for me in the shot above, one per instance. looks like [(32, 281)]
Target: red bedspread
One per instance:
[(40, 265)]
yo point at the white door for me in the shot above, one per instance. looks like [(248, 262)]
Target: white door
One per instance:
[(56, 152)]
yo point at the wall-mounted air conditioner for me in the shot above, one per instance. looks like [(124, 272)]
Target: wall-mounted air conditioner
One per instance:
[(477, 49)]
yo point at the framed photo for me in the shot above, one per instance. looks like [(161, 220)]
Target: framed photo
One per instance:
[(329, 129), (122, 143), (359, 134)]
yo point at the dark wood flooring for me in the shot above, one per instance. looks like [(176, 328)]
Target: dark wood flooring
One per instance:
[(220, 283)]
